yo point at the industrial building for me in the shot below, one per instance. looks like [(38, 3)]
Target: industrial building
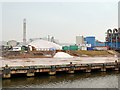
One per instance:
[(79, 40), (48, 38), (89, 43), (85, 43), (81, 43), (44, 45), (99, 43), (90, 40), (113, 39), (12, 43)]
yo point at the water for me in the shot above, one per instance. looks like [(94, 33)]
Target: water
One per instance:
[(62, 80)]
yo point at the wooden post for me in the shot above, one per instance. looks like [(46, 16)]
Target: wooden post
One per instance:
[(71, 70), (6, 72), (116, 66), (6, 75), (88, 69), (30, 74), (103, 68), (52, 70)]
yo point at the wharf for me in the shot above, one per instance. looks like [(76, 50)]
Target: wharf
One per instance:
[(52, 66)]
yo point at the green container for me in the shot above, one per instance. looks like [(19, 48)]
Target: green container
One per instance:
[(73, 47), (65, 48)]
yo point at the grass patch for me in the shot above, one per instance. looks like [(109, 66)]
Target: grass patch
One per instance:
[(92, 53)]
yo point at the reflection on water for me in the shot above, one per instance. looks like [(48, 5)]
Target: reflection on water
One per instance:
[(79, 80)]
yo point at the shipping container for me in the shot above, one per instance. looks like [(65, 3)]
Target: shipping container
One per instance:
[(65, 48), (73, 47), (90, 48)]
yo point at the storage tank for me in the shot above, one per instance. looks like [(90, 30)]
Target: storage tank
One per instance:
[(90, 40)]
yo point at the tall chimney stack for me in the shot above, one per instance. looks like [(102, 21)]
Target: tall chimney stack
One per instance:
[(24, 31)]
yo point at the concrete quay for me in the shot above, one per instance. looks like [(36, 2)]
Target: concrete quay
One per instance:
[(52, 66), (53, 69)]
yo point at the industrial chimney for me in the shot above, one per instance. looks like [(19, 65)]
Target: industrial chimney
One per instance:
[(24, 31)]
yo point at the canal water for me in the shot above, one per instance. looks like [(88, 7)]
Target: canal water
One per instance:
[(63, 80)]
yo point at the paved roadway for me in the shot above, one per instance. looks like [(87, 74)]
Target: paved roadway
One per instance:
[(55, 61)]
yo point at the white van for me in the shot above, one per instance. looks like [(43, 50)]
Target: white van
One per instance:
[(16, 49)]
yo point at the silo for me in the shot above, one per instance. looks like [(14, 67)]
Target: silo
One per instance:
[(79, 40), (90, 40)]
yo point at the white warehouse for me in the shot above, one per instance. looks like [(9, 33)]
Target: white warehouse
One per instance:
[(43, 45)]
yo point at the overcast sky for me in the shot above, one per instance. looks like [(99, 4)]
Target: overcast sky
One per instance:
[(64, 20)]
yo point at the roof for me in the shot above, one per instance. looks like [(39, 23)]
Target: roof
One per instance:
[(45, 44)]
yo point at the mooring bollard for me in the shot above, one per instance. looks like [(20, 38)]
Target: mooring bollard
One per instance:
[(6, 72), (52, 70)]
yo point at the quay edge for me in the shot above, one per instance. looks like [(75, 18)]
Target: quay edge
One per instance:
[(30, 71)]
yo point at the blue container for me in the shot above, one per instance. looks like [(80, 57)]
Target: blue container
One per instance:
[(90, 48), (90, 40)]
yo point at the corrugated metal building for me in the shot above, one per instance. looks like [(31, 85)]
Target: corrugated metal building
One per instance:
[(90, 40)]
